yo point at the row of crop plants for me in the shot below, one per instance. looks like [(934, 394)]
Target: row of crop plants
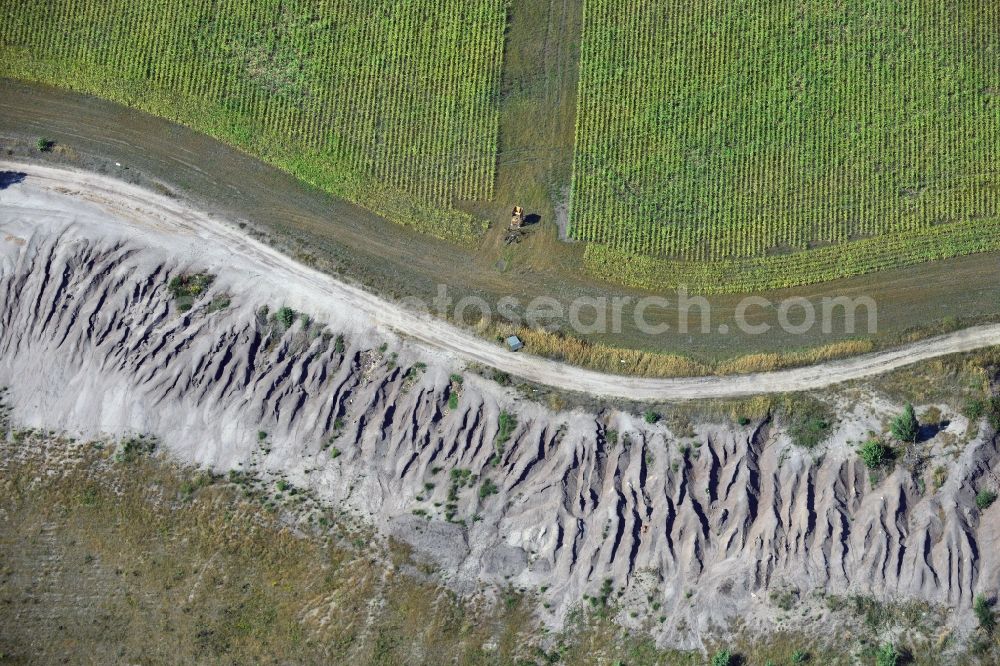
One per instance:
[(754, 274), (391, 104), (710, 131)]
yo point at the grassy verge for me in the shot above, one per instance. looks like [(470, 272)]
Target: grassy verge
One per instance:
[(643, 363)]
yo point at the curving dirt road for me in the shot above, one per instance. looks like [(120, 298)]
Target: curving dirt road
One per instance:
[(153, 218)]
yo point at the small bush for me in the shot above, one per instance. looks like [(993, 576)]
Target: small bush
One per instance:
[(334, 453), (261, 435), (940, 476), (785, 599), (887, 655), (905, 427), (488, 488), (501, 378), (809, 423), (44, 144), (460, 476), (977, 409), (219, 303), (874, 453), (505, 428), (134, 447), (985, 499), (984, 613), (650, 416), (974, 410), (723, 658), (185, 289), (800, 657), (285, 316)]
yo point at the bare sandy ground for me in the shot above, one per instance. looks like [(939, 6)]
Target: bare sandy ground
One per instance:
[(116, 208)]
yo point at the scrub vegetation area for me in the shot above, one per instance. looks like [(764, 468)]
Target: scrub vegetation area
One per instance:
[(390, 105), (853, 138), (127, 558)]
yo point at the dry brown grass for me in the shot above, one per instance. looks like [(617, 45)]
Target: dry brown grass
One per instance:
[(769, 362), (640, 363), (146, 562), (601, 357), (136, 567), (951, 380)]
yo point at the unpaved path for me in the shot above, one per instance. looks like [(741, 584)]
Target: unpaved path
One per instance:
[(161, 215)]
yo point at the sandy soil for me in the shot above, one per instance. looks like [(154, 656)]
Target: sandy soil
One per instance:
[(115, 208)]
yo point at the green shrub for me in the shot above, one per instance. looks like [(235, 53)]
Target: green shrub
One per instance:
[(985, 499), (800, 657), (134, 447), (488, 488), (505, 428), (723, 658), (501, 378), (905, 427), (334, 453), (993, 412), (940, 476), (977, 409), (460, 476), (185, 289), (887, 655), (785, 599), (44, 144), (974, 409), (809, 423), (219, 303), (984, 613), (285, 316), (874, 453), (453, 401), (650, 416)]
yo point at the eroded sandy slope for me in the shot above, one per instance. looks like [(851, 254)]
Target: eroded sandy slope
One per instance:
[(698, 528)]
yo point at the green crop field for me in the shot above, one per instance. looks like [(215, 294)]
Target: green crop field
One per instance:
[(729, 145), (390, 104), (721, 133)]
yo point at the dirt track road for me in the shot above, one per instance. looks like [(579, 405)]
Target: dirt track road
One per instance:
[(138, 207)]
